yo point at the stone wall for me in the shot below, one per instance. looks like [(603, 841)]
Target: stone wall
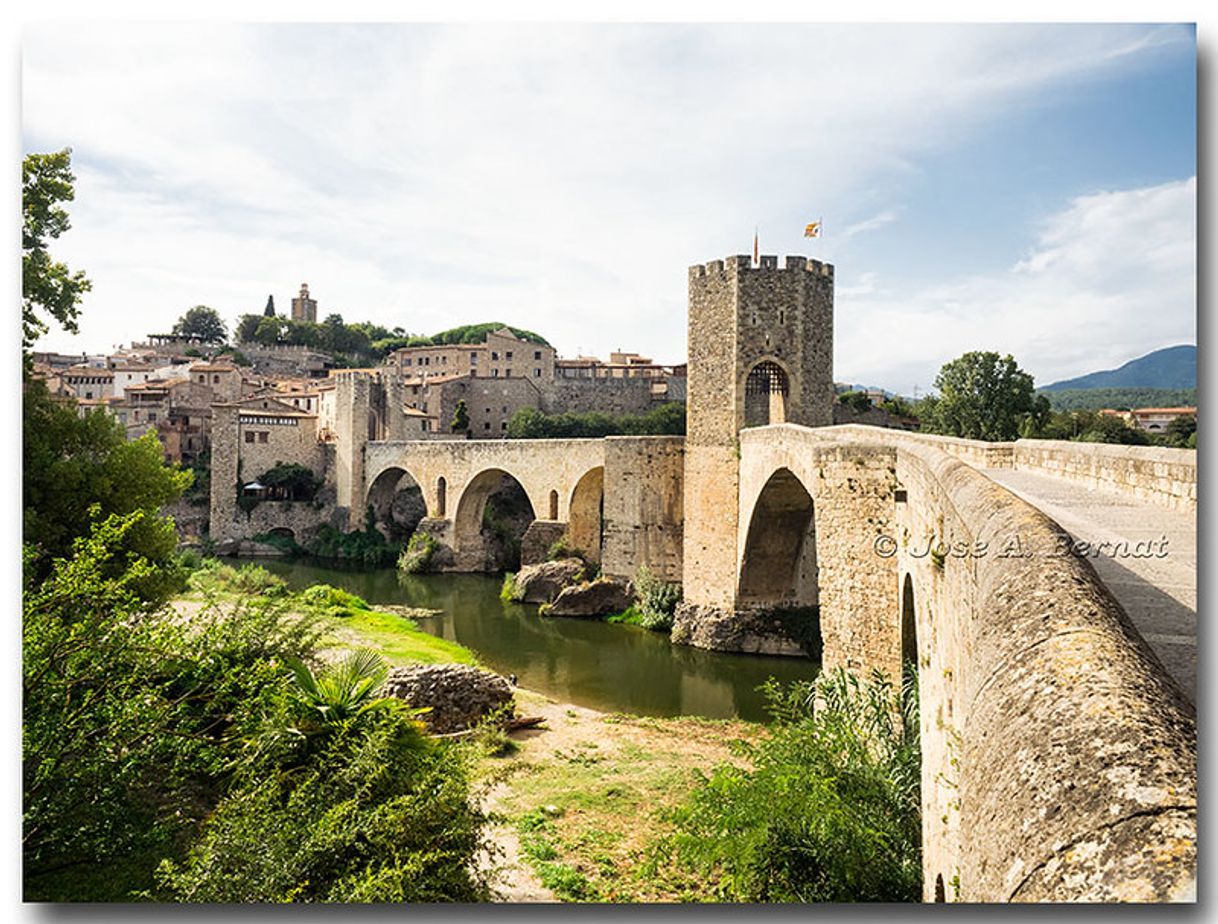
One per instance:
[(643, 506), (602, 395), (1157, 474)]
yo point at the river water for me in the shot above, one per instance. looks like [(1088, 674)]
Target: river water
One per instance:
[(587, 662)]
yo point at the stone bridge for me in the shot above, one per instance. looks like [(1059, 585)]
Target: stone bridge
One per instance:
[(616, 500), (1058, 754)]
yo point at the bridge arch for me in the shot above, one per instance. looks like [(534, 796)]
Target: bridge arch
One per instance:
[(495, 544), (586, 514), (396, 501), (779, 566)]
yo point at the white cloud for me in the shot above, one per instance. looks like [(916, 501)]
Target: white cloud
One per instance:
[(1112, 276), (886, 217), (556, 177)]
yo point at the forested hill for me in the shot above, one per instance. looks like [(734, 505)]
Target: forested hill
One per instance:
[(1173, 367)]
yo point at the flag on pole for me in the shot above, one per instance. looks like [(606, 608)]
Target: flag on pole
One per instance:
[(813, 229), (756, 249)]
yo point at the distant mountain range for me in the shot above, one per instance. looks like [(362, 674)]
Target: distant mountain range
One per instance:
[(1172, 367)]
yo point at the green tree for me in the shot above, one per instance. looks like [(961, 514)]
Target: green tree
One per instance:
[(47, 286), (857, 401), (1181, 429), (269, 310), (203, 323), (79, 469), (1107, 428), (460, 421), (982, 396)]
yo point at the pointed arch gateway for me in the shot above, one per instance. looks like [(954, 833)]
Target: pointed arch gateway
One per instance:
[(778, 570), (767, 389)]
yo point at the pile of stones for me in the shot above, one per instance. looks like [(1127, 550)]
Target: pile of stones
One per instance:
[(459, 696)]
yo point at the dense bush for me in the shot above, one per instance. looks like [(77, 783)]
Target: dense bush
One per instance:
[(657, 600), (209, 747), (825, 808), (368, 547), (418, 553), (130, 714), (374, 811), (530, 423)]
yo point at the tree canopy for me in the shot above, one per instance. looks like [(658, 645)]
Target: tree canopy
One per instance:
[(203, 323), (48, 287), (78, 470), (983, 396)]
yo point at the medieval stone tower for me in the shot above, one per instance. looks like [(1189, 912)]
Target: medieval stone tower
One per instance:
[(760, 352)]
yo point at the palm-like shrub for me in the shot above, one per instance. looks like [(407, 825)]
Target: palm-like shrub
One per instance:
[(343, 690)]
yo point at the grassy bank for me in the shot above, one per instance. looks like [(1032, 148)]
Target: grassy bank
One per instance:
[(349, 620)]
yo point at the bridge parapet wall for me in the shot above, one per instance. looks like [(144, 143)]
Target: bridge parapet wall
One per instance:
[(1158, 474)]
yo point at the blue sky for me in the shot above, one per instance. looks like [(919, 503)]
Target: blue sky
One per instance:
[(1027, 189)]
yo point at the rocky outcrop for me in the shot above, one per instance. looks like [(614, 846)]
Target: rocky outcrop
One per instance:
[(601, 597), (544, 582), (786, 632), (459, 696)]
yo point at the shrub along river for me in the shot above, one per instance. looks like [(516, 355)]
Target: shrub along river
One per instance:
[(610, 668)]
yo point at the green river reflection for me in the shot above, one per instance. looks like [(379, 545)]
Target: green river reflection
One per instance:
[(582, 661)]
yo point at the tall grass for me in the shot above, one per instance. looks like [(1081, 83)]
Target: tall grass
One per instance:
[(825, 809)]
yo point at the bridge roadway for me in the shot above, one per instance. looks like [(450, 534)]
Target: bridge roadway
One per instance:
[(1159, 592)]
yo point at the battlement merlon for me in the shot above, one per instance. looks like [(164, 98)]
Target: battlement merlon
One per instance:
[(741, 263)]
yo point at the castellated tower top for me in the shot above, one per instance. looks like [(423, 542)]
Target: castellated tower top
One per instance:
[(760, 346), (742, 263)]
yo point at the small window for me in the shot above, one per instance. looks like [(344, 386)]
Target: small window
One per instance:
[(505, 409), (503, 425), (473, 359), (494, 355), (152, 416), (536, 373), (249, 436), (409, 362), (507, 355), (203, 378), (494, 373), (262, 436), (537, 354), (215, 380), (487, 425)]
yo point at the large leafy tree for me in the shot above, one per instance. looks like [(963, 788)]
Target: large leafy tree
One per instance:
[(48, 287), (79, 469), (983, 396), (201, 322)]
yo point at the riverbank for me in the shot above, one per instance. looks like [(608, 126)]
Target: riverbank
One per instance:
[(578, 801)]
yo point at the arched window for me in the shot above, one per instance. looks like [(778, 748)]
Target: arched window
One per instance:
[(553, 505), (441, 496)]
